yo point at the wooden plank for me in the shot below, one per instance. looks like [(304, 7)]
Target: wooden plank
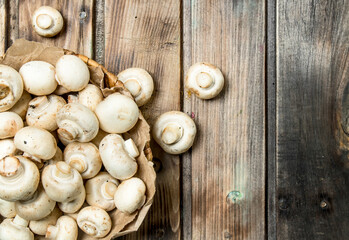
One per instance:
[(146, 34), (229, 152), (312, 68), (3, 18)]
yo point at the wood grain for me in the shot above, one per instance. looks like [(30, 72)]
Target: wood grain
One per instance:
[(3, 24), (312, 67), (146, 34), (229, 152)]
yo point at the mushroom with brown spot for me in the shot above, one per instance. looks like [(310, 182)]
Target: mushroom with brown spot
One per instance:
[(11, 87), (40, 226), (94, 221), (15, 229), (10, 124), (65, 229), (47, 21)]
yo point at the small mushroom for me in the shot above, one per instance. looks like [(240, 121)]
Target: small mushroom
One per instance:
[(94, 221), (19, 178), (7, 209), (84, 157), (139, 83), (100, 191), (117, 113), (74, 205), (15, 229), (77, 123), (38, 77), (205, 80), (47, 21), (7, 148), (36, 142), (10, 124), (61, 182), (22, 105), (100, 135), (42, 111), (174, 131), (118, 156), (72, 73), (65, 229), (11, 87), (90, 96), (40, 226), (130, 195)]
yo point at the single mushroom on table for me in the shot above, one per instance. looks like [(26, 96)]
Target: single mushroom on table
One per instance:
[(10, 124), (174, 131), (205, 80), (47, 21), (94, 221), (118, 156), (15, 229), (22, 104), (65, 229), (11, 87), (40, 226), (90, 96), (139, 83), (7, 209)]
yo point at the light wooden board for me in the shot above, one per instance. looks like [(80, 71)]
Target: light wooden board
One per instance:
[(229, 152), (3, 24)]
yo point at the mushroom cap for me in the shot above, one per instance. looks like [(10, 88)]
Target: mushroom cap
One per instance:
[(37, 207), (116, 159), (139, 83), (90, 96), (47, 21), (117, 113), (37, 142), (40, 226), (174, 131), (100, 191), (130, 195), (61, 182), (10, 230), (11, 87), (10, 124), (205, 80), (7, 209), (42, 112), (38, 77), (72, 73), (65, 229), (77, 123), (74, 205), (94, 221), (19, 178), (7, 148), (22, 105), (84, 157)]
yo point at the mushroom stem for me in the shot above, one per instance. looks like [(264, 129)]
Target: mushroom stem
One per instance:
[(78, 163), (108, 190), (68, 130), (9, 166), (63, 170), (131, 148), (172, 133), (44, 21), (133, 86), (20, 221), (204, 80), (4, 90)]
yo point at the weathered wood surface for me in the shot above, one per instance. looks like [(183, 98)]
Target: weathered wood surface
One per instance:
[(3, 24)]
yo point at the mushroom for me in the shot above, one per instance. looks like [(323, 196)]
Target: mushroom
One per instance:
[(36, 143), (7, 148), (42, 111), (94, 221), (11, 87), (118, 156), (61, 182), (77, 123), (100, 191), (10, 124), (19, 178), (90, 96), (74, 205), (117, 113), (130, 195), (84, 157), (174, 131), (22, 105), (15, 229), (72, 98), (205, 80), (38, 77), (40, 226), (47, 21), (65, 229), (7, 209), (139, 83), (72, 73), (100, 135)]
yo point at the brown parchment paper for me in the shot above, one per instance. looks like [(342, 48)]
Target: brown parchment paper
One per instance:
[(23, 51)]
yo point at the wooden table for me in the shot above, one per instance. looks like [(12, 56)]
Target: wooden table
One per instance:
[(271, 157)]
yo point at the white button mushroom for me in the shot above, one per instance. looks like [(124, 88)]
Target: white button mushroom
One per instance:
[(11, 87), (65, 229), (61, 182), (139, 83), (174, 131), (94, 221), (40, 226), (75, 204), (130, 195), (36, 142), (38, 77), (77, 123), (118, 156), (47, 21), (15, 229), (117, 113), (100, 191), (205, 80), (72, 73), (42, 111), (90, 96), (22, 105), (19, 178), (84, 157), (7, 148), (10, 124), (7, 209)]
